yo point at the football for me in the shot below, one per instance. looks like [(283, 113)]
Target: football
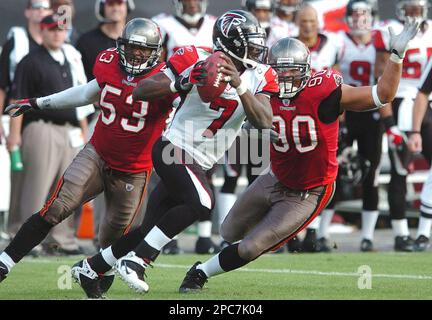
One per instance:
[(214, 85)]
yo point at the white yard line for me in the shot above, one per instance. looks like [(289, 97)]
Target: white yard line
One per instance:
[(284, 271)]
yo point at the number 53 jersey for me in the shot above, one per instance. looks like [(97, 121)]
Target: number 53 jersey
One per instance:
[(126, 129), (308, 126)]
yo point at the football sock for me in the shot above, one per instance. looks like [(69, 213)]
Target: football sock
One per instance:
[(172, 225), (326, 218), (32, 232), (400, 227), (315, 223), (225, 203), (119, 249), (424, 227), (8, 262), (156, 238), (229, 258), (212, 266), (369, 219), (204, 229)]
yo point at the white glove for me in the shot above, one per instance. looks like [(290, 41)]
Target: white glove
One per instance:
[(399, 43)]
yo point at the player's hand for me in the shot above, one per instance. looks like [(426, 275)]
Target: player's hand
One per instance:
[(21, 106), (399, 43), (415, 142), (274, 135), (13, 140), (232, 76), (396, 137), (183, 84)]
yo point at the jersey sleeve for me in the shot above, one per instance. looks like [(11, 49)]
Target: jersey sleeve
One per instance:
[(104, 61), (182, 59), (329, 93), (269, 84), (380, 40)]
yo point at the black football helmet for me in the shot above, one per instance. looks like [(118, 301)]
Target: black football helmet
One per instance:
[(361, 15), (353, 168), (239, 34), (143, 33)]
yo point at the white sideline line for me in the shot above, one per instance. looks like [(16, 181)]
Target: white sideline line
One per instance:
[(286, 271)]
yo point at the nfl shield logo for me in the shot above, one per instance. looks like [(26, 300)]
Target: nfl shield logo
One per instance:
[(286, 102), (130, 78)]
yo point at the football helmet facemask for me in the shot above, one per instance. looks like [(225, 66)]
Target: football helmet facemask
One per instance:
[(361, 15), (191, 19), (412, 8)]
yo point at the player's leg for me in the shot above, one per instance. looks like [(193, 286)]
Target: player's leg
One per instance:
[(80, 183), (425, 220), (290, 212), (397, 191), (370, 147)]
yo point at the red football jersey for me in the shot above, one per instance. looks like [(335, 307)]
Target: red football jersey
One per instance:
[(126, 129), (305, 156)]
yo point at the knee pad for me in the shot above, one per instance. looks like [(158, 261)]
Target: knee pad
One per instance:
[(56, 212)]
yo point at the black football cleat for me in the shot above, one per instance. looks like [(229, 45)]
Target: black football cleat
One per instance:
[(404, 244), (3, 271), (206, 246), (194, 280), (87, 278), (366, 245), (421, 243), (171, 248), (322, 245), (310, 241), (106, 282), (294, 245)]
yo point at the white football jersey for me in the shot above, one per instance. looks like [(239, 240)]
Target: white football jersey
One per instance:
[(179, 36), (280, 29), (356, 61), (416, 57), (326, 51), (206, 130)]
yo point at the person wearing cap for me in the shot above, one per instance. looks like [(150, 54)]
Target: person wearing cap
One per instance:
[(20, 41), (50, 140)]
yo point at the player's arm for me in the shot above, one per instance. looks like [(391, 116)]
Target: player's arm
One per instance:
[(369, 98), (70, 98), (153, 87), (257, 107)]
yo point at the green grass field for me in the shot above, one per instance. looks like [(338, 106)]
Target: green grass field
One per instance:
[(284, 277)]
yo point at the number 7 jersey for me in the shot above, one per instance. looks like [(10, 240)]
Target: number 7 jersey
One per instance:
[(126, 129), (308, 126)]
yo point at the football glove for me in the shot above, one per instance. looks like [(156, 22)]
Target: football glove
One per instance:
[(398, 146), (399, 43), (197, 76), (21, 106)]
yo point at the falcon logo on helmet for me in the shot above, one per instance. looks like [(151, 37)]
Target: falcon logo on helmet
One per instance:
[(230, 20)]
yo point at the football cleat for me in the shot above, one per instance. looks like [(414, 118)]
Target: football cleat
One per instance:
[(3, 271), (194, 280), (106, 281), (322, 245), (294, 245), (171, 248), (421, 243), (404, 244), (87, 278), (131, 269), (310, 241), (206, 246), (366, 245)]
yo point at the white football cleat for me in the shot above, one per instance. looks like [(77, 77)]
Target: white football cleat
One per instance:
[(131, 269)]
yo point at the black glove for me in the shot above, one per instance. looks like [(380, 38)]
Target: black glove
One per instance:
[(21, 107)]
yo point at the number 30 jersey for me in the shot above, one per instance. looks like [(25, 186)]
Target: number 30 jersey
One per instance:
[(206, 130), (126, 129), (308, 126)]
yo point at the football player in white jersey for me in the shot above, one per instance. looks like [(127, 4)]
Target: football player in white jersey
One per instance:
[(282, 24), (398, 118), (417, 144), (324, 50), (356, 63), (196, 139), (189, 26)]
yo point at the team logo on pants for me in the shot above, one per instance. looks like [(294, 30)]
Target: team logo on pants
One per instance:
[(129, 187)]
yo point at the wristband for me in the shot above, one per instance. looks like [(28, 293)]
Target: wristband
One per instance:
[(394, 57), (242, 88)]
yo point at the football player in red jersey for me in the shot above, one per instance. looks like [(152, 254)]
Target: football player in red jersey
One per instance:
[(300, 183), (117, 160)]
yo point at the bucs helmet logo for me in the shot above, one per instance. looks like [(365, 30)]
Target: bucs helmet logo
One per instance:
[(229, 21)]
